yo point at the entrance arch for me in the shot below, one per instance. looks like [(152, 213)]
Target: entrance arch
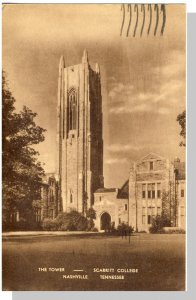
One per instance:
[(105, 221)]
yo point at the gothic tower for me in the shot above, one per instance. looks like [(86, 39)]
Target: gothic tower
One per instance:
[(79, 134)]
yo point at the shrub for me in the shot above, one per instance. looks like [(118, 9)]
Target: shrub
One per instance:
[(49, 225), (91, 213), (72, 221), (125, 229), (174, 230), (95, 229), (82, 223), (158, 223), (90, 225)]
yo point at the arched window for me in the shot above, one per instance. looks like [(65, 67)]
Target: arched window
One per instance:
[(72, 112)]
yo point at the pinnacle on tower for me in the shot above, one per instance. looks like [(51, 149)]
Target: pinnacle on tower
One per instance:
[(85, 56), (61, 63), (97, 69)]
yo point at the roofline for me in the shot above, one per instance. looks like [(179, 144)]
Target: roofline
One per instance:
[(152, 153)]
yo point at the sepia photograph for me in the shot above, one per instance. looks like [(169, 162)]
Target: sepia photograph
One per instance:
[(94, 147)]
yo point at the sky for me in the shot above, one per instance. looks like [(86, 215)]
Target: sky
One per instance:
[(143, 79)]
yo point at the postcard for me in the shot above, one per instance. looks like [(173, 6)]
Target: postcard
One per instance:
[(94, 147)]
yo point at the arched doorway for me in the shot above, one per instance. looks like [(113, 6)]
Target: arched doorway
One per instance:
[(105, 221)]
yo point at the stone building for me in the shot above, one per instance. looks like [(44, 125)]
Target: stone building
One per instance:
[(50, 206), (180, 193), (111, 206), (155, 184), (79, 134)]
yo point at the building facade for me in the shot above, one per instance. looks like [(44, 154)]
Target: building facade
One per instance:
[(79, 135), (111, 206), (155, 187), (50, 207)]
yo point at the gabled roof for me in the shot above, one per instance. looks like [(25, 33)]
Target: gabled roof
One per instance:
[(152, 156), (124, 191)]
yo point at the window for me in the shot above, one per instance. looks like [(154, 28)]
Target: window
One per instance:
[(158, 190), (149, 219), (149, 191), (51, 195), (149, 214), (125, 206), (99, 198), (72, 111), (71, 198), (143, 191), (14, 217), (151, 165), (119, 220), (182, 193), (38, 215), (153, 190)]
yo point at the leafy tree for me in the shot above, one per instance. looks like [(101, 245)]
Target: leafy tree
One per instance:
[(158, 223), (71, 221), (91, 213), (181, 119), (169, 204), (21, 172)]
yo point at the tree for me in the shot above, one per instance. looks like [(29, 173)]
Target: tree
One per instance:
[(181, 119), (158, 223), (21, 171), (71, 221), (91, 215)]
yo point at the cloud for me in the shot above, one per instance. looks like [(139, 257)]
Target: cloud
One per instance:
[(122, 147), (166, 90), (111, 161), (119, 88)]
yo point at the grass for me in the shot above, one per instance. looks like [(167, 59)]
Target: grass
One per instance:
[(160, 260)]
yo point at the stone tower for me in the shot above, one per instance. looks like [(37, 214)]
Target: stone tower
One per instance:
[(79, 134)]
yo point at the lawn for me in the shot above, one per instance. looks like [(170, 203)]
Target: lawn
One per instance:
[(160, 260)]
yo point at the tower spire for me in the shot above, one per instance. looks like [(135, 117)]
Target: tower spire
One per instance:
[(97, 69), (85, 57), (61, 63)]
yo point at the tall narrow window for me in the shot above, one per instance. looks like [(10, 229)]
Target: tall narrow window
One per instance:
[(143, 191), (149, 190), (151, 165), (158, 190), (71, 198), (182, 190), (149, 215), (153, 190), (72, 108)]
